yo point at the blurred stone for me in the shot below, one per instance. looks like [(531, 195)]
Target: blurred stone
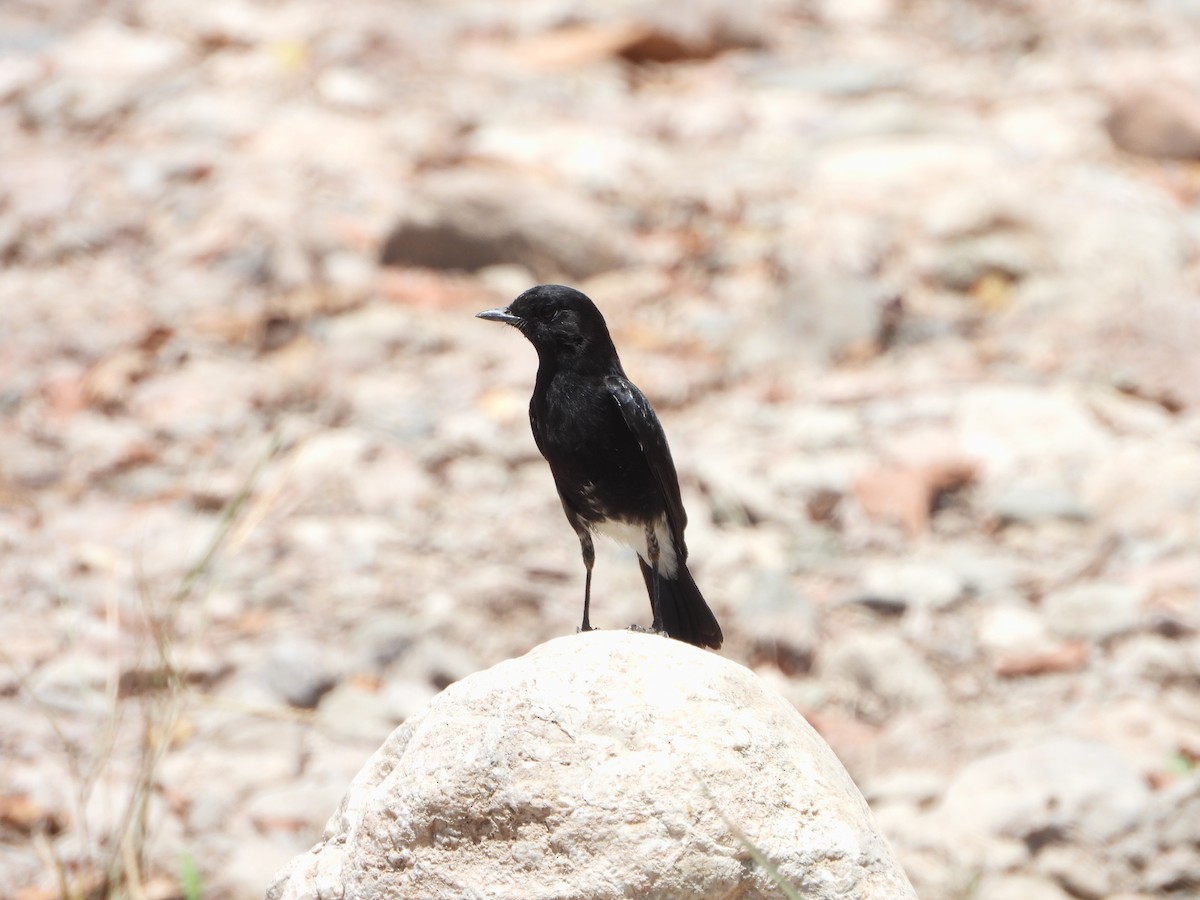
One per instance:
[(507, 280), (1092, 610), (914, 584), (407, 697), (101, 72), (1056, 786), (1031, 502), (17, 73), (291, 807), (352, 274), (472, 218), (350, 89), (439, 663), (75, 681), (1158, 118), (828, 316), (1176, 819), (1142, 487), (886, 668), (249, 863), (203, 397), (780, 622), (1171, 870), (383, 638), (104, 446), (1007, 426), (1080, 872), (916, 787), (1156, 660), (298, 671), (351, 712), (1009, 627), (1018, 887), (962, 264)]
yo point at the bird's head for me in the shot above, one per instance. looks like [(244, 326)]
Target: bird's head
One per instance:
[(557, 319)]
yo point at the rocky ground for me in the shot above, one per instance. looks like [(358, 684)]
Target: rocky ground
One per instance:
[(914, 286)]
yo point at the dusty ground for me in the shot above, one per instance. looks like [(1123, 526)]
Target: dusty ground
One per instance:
[(914, 286)]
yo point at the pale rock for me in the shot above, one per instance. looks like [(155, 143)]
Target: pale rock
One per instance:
[(343, 469), (991, 576), (959, 264), (1012, 426), (350, 89), (299, 671), (352, 274), (101, 444), (293, 806), (507, 280), (1093, 610), (100, 72), (1142, 486), (824, 314), (364, 338), (857, 13), (917, 788), (406, 697), (914, 584), (350, 712), (251, 860), (576, 770), (1178, 867), (468, 219), (1009, 627), (379, 401), (206, 397), (1018, 887), (1126, 414), (1156, 116), (1080, 871), (887, 670), (1055, 785), (1033, 501), (601, 160), (1148, 657), (779, 620), (902, 168), (1176, 822), (384, 638)]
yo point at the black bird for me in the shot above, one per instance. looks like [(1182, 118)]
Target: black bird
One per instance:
[(608, 454)]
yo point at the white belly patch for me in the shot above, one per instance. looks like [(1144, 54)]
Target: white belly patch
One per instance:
[(634, 535)]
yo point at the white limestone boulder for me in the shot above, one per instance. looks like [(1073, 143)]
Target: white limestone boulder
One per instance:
[(606, 764)]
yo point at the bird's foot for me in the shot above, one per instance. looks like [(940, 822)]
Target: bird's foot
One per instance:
[(641, 629), (582, 628)]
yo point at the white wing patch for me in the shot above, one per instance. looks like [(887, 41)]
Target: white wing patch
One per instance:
[(634, 535)]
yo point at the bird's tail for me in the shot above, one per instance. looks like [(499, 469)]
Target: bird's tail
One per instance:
[(684, 613)]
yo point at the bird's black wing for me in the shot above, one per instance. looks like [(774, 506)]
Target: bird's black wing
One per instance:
[(639, 415)]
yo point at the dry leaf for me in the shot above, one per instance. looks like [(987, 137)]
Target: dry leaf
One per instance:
[(1069, 656)]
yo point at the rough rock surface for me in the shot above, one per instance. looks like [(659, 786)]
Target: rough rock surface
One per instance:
[(610, 764)]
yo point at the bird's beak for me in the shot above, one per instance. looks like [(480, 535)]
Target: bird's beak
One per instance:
[(499, 315)]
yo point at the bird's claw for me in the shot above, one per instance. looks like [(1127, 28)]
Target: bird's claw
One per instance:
[(641, 629)]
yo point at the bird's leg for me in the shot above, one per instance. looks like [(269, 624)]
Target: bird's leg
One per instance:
[(589, 558), (652, 551)]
